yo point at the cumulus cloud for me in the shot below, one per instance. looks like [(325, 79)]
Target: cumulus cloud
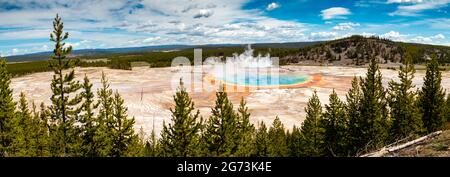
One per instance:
[(137, 23), (108, 24), (204, 13), (397, 36), (335, 13), (346, 26), (365, 34), (394, 35), (272, 6), (428, 39)]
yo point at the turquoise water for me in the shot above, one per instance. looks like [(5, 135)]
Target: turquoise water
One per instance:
[(264, 80)]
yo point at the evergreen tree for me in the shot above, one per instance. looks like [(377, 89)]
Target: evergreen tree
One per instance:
[(261, 141), (335, 125), (431, 99), (180, 139), (373, 128), (89, 125), (406, 119), (353, 105), (137, 147), (22, 143), (7, 107), (40, 127), (277, 146), (64, 99), (294, 142), (105, 117), (152, 147), (123, 139), (246, 131), (221, 130), (312, 131)]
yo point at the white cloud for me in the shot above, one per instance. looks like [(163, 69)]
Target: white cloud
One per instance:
[(429, 39), (272, 6), (171, 20), (394, 35), (365, 34), (397, 36), (74, 45), (204, 13), (108, 24), (15, 51), (439, 36), (25, 34), (323, 35), (414, 7), (346, 26), (335, 13)]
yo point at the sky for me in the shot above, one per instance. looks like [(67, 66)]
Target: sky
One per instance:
[(25, 25)]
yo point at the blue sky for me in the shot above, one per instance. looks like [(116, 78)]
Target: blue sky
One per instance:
[(25, 24)]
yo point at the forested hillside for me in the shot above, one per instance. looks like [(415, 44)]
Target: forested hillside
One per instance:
[(357, 50)]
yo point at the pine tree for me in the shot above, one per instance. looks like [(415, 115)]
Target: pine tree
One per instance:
[(277, 146), (373, 128), (246, 131), (89, 125), (294, 141), (261, 141), (40, 127), (180, 139), (22, 143), (105, 117), (335, 125), (152, 147), (137, 147), (353, 105), (221, 130), (64, 99), (312, 131), (7, 108), (123, 138), (431, 99), (406, 119)]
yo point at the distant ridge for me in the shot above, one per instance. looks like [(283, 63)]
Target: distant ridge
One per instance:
[(353, 50), (93, 52)]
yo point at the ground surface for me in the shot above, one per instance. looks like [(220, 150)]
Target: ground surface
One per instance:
[(436, 147), (148, 92)]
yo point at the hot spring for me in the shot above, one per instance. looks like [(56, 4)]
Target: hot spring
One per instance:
[(263, 80), (248, 70)]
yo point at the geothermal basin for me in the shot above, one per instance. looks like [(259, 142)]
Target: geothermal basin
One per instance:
[(269, 90), (148, 92)]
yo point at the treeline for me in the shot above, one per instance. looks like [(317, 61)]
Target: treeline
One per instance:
[(23, 68)]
